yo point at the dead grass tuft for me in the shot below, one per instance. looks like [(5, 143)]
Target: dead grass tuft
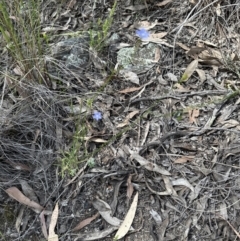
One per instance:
[(28, 133)]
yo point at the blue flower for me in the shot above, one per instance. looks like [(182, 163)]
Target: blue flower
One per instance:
[(142, 33), (97, 115)]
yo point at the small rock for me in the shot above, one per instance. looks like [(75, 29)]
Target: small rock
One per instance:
[(137, 59)]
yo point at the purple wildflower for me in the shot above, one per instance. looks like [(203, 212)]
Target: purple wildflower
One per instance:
[(142, 33), (97, 115)]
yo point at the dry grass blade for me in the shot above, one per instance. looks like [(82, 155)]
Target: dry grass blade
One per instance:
[(77, 175), (234, 230), (19, 219)]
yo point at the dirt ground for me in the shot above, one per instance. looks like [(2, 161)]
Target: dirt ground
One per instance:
[(164, 154)]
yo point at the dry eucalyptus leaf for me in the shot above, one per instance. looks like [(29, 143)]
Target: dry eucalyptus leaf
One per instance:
[(14, 193), (162, 229), (51, 29), (146, 25), (130, 90), (210, 54), (195, 51), (163, 3), (43, 224), (234, 57), (206, 42), (179, 88), (98, 62), (129, 187), (201, 74), (137, 7), (17, 70), (172, 77), (184, 159), (157, 55), (76, 109), (169, 187), (97, 235), (106, 212), (182, 182), (229, 123), (198, 187), (27, 190), (128, 117), (18, 166), (183, 46), (211, 62), (218, 10), (98, 140), (129, 75), (19, 219), (146, 132), (85, 222), (164, 193), (157, 218), (52, 236), (126, 224), (71, 4), (149, 165), (189, 71), (193, 114), (157, 39), (158, 35), (223, 210)]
